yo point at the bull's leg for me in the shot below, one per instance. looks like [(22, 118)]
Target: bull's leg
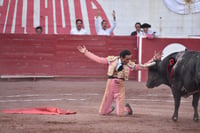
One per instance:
[(195, 106), (177, 99)]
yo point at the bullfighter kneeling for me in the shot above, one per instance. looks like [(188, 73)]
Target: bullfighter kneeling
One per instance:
[(118, 71)]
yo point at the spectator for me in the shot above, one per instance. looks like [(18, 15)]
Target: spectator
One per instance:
[(38, 29), (146, 32), (79, 28), (101, 25), (138, 31)]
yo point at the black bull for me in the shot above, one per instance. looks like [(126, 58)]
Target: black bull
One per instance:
[(181, 72)]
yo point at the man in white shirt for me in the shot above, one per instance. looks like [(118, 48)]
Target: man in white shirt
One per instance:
[(137, 31), (79, 28), (101, 25)]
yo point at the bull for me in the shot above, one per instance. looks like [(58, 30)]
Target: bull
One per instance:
[(181, 72)]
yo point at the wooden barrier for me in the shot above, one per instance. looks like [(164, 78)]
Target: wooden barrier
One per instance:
[(27, 55)]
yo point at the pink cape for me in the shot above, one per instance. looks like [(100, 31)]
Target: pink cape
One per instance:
[(40, 110)]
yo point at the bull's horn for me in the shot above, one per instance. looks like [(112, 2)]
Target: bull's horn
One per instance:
[(149, 64)]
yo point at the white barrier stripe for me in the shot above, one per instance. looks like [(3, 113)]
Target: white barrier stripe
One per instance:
[(62, 14), (36, 13), (139, 57), (72, 13), (157, 100), (36, 95), (71, 99), (1, 2), (7, 12), (24, 15), (85, 14), (41, 100), (14, 18), (46, 18), (54, 17), (46, 4), (46, 24), (82, 99), (156, 95), (92, 94), (40, 95)]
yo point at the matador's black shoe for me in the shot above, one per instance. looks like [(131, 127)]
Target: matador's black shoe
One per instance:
[(112, 109), (130, 111)]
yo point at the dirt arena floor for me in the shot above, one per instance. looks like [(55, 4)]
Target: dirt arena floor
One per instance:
[(152, 113)]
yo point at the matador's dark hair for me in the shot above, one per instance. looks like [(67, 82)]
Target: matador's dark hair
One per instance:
[(124, 53)]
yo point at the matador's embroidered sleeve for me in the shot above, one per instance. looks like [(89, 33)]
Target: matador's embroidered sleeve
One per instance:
[(111, 59), (131, 65)]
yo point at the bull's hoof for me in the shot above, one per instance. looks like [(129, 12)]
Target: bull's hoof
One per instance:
[(196, 119), (175, 119)]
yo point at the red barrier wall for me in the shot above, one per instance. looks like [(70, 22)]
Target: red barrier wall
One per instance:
[(56, 55), (158, 44)]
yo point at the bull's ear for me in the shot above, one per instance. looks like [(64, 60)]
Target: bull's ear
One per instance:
[(149, 64)]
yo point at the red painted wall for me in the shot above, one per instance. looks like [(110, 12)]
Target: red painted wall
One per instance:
[(57, 54), (158, 44), (31, 14)]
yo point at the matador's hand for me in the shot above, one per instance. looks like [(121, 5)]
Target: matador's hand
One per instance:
[(157, 56), (82, 49)]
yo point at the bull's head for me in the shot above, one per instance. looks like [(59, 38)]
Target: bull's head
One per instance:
[(154, 78)]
